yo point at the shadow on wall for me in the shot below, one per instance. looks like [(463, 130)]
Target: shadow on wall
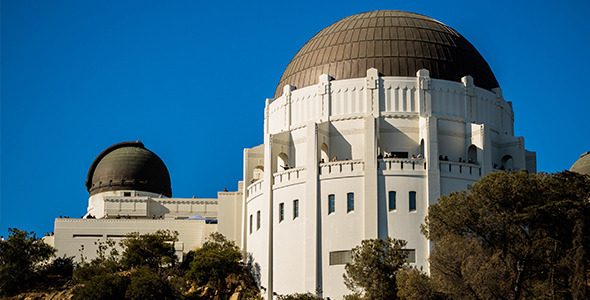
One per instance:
[(341, 148), (394, 140), (253, 268)]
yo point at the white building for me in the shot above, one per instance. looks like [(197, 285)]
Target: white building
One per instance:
[(129, 189), (375, 118)]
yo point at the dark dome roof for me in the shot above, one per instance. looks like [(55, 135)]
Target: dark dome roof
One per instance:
[(128, 166), (582, 165), (396, 43)]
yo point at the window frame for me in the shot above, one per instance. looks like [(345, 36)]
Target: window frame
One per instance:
[(412, 199), (391, 201), (295, 209), (331, 204), (257, 220), (281, 212), (349, 202)]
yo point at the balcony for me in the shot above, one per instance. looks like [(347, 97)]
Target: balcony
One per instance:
[(255, 188), (459, 170), (342, 169), (398, 166), (290, 176)]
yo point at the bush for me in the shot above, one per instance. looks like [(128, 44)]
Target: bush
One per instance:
[(21, 259)]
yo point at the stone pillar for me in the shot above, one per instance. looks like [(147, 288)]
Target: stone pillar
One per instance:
[(371, 195), (269, 160), (312, 214)]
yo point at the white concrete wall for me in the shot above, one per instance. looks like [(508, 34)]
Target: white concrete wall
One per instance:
[(230, 214), (73, 234)]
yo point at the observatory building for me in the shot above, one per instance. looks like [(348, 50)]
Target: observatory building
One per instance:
[(375, 118), (130, 191)]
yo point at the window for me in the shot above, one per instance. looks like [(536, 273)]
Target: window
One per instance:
[(126, 194), (257, 220), (349, 202), (331, 204), (411, 255), (251, 222), (391, 200), (295, 209), (281, 211), (340, 257), (412, 201)]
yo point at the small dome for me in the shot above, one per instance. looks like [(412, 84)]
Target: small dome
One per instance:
[(396, 43), (582, 165), (128, 166)]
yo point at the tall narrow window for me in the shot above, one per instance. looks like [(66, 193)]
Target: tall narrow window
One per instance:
[(331, 204), (412, 201), (349, 202), (392, 200), (257, 220), (295, 209), (281, 211), (251, 223)]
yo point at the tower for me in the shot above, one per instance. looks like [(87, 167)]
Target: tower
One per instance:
[(375, 117)]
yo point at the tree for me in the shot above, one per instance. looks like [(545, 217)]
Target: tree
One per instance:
[(297, 296), (215, 261), (374, 266), (413, 284), (515, 235), (21, 258), (152, 249), (146, 283)]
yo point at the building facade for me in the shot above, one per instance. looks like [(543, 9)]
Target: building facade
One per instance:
[(375, 118)]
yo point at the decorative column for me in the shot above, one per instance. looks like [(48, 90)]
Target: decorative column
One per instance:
[(371, 213)]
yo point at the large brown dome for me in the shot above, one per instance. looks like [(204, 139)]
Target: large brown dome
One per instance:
[(128, 166), (397, 43)]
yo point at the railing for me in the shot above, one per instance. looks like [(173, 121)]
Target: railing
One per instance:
[(255, 188), (401, 164), (457, 169), (289, 176), (342, 168)]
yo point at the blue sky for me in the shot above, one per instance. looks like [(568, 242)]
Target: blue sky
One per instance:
[(189, 79)]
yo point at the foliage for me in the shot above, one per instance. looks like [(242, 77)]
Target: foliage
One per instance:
[(215, 261), (153, 249), (515, 235), (374, 266), (61, 266), (102, 285), (21, 258), (414, 284), (146, 283), (298, 296)]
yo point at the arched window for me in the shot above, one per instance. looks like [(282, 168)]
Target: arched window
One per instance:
[(422, 148), (282, 162), (325, 156), (507, 163), (257, 173), (472, 154)]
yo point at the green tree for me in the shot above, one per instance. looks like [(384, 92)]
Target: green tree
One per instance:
[(21, 258), (298, 296), (515, 235), (146, 283), (373, 268), (152, 249), (413, 284), (215, 261)]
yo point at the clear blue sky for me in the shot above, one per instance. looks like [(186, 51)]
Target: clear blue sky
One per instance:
[(189, 79)]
